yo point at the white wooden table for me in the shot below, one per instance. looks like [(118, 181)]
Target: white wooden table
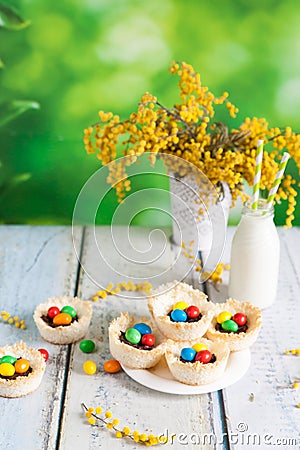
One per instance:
[(40, 262)]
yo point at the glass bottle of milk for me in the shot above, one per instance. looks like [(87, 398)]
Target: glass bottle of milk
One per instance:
[(255, 255)]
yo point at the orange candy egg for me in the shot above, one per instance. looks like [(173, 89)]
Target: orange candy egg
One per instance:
[(21, 365), (62, 319), (112, 366)]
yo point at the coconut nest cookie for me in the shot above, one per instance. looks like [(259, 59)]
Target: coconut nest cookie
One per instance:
[(63, 334), (243, 334), (161, 305), (196, 373), (24, 383), (135, 356)]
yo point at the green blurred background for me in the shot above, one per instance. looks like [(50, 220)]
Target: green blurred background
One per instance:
[(79, 56)]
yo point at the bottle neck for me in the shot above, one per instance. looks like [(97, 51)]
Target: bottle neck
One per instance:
[(261, 213)]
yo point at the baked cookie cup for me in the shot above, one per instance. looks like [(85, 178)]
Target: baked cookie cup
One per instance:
[(161, 305), (127, 354), (18, 385), (63, 334), (196, 373), (239, 340)]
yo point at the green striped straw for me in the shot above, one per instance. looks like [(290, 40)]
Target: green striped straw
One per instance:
[(258, 164), (278, 178)]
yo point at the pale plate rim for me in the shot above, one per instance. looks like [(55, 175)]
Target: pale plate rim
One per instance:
[(159, 378)]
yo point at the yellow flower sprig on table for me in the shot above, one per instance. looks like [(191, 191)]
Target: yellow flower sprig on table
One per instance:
[(214, 276), (188, 130), (12, 320), (94, 416), (295, 352), (112, 289)]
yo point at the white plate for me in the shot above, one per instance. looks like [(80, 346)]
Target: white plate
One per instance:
[(160, 378)]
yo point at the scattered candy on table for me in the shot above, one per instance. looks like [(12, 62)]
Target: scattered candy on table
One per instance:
[(199, 352), (231, 323), (87, 346), (44, 353), (89, 367), (112, 366), (140, 334)]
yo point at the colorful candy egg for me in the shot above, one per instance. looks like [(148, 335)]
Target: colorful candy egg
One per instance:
[(188, 354), (230, 325), (199, 347), (44, 353), (143, 328), (21, 365), (8, 359), (87, 346), (240, 319), (180, 305), (133, 336), (89, 367), (178, 315), (112, 366), (69, 310), (204, 356), (7, 370), (192, 312), (148, 339), (53, 311), (62, 319), (223, 316)]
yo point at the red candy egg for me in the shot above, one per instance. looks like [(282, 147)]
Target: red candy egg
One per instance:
[(240, 319), (44, 353), (53, 311), (192, 312), (204, 356), (148, 339)]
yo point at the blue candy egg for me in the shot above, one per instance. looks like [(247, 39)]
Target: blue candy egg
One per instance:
[(143, 328), (188, 354), (178, 315)]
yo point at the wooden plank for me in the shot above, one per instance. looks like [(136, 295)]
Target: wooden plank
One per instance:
[(135, 406), (36, 263), (272, 414)]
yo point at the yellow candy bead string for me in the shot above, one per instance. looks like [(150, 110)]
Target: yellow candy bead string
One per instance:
[(12, 320), (112, 289), (94, 415)]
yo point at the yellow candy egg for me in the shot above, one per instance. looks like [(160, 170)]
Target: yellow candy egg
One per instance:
[(180, 305), (89, 367), (62, 319), (7, 370), (223, 316), (200, 347), (21, 365)]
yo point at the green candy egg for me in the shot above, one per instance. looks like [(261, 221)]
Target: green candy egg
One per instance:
[(87, 346), (133, 336), (69, 310), (230, 325), (8, 359)]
